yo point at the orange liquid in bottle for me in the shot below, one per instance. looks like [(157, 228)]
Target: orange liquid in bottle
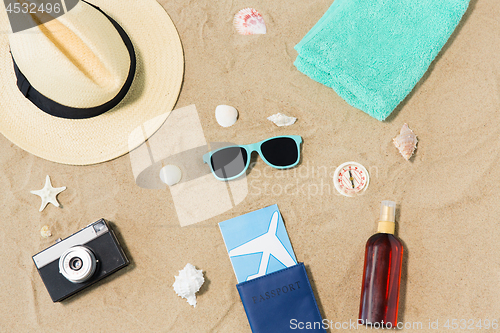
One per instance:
[(382, 275)]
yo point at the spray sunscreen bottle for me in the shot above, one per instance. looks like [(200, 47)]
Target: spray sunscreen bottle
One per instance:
[(382, 273)]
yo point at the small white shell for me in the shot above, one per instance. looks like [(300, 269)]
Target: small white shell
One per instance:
[(45, 231), (406, 142), (170, 174), (188, 282), (226, 115), (248, 21), (282, 120)]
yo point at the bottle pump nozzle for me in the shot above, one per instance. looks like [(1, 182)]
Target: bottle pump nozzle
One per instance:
[(387, 220)]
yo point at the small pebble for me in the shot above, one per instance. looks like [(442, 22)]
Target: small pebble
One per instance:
[(170, 174)]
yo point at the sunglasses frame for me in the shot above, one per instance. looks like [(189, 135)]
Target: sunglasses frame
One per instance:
[(250, 148)]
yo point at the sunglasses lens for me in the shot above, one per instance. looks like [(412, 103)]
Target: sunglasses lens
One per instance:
[(229, 162), (281, 152)]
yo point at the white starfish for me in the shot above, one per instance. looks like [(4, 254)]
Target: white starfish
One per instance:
[(48, 194)]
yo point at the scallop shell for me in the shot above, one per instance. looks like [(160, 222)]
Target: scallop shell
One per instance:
[(248, 21), (45, 232), (281, 120), (226, 115), (188, 282), (406, 142)]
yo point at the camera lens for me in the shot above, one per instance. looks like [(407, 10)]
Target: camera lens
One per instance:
[(77, 264)]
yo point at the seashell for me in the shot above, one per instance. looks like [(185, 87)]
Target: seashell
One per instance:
[(188, 282), (45, 231), (406, 142), (226, 115), (282, 120), (170, 174), (248, 21)]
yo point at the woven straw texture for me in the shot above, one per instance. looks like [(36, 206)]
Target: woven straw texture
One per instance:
[(156, 86)]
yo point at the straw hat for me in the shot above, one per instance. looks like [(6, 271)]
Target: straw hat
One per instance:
[(82, 66)]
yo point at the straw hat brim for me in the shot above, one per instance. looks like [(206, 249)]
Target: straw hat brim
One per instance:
[(153, 94)]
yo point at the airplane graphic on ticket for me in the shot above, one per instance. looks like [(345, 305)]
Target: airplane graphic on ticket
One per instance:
[(257, 243)]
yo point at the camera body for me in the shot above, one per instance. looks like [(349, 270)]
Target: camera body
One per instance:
[(80, 260)]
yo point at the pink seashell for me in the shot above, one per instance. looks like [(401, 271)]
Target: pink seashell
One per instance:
[(406, 142), (248, 21)]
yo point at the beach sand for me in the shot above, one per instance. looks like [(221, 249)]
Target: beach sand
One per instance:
[(448, 195)]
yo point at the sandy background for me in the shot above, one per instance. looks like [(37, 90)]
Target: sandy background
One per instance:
[(448, 194)]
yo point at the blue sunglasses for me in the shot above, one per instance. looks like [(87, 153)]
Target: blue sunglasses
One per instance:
[(280, 152)]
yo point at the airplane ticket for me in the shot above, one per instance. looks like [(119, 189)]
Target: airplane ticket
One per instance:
[(257, 243)]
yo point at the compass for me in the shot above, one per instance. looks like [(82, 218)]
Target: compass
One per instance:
[(351, 179)]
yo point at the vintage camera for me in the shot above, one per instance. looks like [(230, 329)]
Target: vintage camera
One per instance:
[(80, 260)]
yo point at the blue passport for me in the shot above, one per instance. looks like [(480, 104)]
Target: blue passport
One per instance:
[(280, 301)]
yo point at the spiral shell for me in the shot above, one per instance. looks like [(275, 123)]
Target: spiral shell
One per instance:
[(406, 142), (45, 232), (188, 283), (281, 120)]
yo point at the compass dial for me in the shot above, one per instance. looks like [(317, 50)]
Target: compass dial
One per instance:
[(351, 179)]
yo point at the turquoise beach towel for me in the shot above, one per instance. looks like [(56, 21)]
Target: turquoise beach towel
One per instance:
[(373, 52)]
